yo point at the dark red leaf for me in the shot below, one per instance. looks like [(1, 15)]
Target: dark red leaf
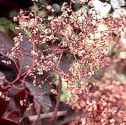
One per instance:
[(14, 116), (8, 67), (3, 106), (21, 94), (7, 122)]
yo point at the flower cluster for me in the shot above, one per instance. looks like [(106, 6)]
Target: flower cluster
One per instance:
[(104, 104), (88, 41)]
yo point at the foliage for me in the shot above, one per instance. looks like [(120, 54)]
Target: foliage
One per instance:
[(7, 24), (65, 63)]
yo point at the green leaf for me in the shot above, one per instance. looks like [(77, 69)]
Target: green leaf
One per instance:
[(66, 95), (7, 24)]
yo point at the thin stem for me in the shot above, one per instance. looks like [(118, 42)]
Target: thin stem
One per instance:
[(47, 115)]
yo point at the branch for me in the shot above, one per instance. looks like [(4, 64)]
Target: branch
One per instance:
[(47, 115)]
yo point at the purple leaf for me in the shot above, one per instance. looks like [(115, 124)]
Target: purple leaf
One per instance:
[(40, 95)]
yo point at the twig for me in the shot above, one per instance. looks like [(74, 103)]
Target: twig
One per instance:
[(72, 117), (47, 115)]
